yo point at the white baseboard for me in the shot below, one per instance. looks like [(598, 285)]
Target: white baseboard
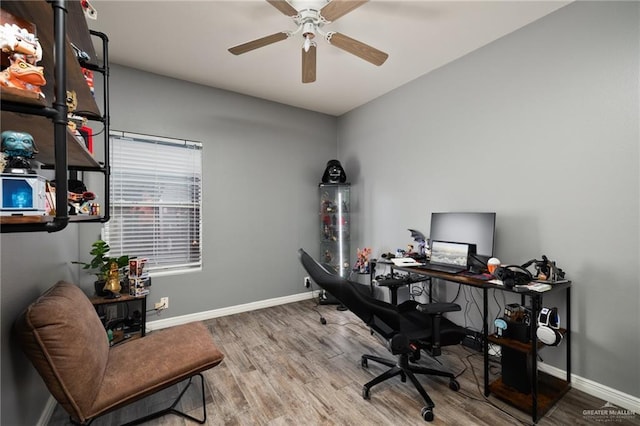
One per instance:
[(49, 408), (598, 390), (215, 313)]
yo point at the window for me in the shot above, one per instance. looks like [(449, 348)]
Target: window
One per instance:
[(156, 201)]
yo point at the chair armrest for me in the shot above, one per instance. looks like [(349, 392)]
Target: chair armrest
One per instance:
[(435, 311), (437, 308), (392, 282)]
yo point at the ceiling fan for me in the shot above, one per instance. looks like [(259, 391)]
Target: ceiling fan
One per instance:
[(310, 16)]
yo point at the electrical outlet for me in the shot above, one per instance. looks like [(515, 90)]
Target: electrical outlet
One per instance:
[(163, 304), (307, 282)]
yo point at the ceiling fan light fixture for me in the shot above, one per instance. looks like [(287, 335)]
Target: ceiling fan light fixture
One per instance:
[(309, 29)]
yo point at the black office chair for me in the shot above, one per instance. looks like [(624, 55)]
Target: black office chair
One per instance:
[(407, 328)]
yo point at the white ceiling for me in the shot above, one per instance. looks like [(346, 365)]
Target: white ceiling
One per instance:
[(188, 40)]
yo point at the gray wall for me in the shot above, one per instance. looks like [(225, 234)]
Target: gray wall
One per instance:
[(540, 126), (30, 263), (262, 163)]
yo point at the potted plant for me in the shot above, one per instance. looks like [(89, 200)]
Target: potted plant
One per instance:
[(101, 264)]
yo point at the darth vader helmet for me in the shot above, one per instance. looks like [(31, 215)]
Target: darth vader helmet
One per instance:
[(334, 173)]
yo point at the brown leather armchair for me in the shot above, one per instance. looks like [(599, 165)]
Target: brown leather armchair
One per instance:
[(63, 337)]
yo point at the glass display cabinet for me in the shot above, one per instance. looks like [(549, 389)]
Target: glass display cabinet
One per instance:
[(334, 226)]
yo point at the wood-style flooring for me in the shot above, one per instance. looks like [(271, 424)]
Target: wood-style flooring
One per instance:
[(283, 367)]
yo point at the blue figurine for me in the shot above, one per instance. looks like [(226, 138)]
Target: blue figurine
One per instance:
[(18, 147)]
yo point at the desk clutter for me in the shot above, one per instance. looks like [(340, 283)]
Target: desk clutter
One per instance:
[(460, 250), (463, 243)]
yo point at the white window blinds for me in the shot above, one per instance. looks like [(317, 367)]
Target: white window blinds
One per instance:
[(156, 200)]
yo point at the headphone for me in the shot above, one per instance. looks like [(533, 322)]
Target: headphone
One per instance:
[(548, 327), (501, 325), (512, 275)]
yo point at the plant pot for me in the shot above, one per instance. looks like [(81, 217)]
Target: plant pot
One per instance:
[(99, 287)]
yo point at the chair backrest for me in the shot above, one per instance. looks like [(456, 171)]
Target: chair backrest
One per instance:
[(63, 337), (354, 296)]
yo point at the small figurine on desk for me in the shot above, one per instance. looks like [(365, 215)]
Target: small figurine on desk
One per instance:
[(362, 262), (113, 280), (546, 270), (419, 238)]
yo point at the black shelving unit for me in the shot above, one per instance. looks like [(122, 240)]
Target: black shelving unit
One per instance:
[(46, 119)]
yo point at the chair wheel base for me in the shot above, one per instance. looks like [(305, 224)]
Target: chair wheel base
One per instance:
[(366, 394), (454, 385), (427, 414)]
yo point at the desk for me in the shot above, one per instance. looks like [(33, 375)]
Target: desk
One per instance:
[(545, 389)]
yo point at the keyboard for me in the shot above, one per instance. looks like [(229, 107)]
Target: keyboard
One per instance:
[(451, 269), (406, 261)]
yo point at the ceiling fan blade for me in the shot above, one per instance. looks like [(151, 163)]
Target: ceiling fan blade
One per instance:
[(358, 48), (283, 7), (260, 42), (337, 8), (309, 65)]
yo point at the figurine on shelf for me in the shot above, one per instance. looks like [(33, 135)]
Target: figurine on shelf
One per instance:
[(79, 198), (328, 206), (88, 77), (24, 51), (3, 161), (74, 121), (19, 41), (18, 148), (23, 75), (328, 233), (334, 173)]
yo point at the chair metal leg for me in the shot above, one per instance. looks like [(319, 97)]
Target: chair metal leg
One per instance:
[(172, 409), (169, 410)]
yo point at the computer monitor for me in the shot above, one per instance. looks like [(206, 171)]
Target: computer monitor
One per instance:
[(466, 227)]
